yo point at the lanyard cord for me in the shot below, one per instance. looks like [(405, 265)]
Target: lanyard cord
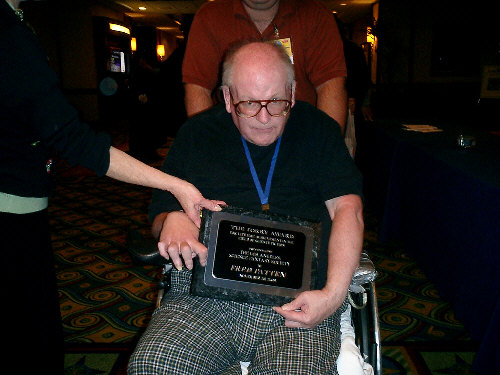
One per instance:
[(263, 195)]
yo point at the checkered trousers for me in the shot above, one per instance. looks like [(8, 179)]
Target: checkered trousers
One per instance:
[(191, 335)]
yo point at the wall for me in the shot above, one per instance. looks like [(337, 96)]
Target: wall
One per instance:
[(430, 56), (65, 29)]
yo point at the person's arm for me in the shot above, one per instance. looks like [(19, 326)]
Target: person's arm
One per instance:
[(344, 248), (178, 239), (196, 99), (332, 99), (366, 108), (124, 167)]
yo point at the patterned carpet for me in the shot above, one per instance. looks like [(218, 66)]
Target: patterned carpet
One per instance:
[(106, 300)]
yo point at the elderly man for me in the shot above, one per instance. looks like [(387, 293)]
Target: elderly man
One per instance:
[(314, 177)]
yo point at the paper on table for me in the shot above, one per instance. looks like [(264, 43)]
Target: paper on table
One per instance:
[(422, 128)]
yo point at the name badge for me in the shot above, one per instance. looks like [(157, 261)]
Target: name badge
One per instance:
[(286, 44)]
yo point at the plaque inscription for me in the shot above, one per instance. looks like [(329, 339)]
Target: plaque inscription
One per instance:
[(259, 254), (256, 257)]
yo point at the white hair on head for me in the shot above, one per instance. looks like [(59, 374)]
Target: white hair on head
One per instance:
[(232, 53)]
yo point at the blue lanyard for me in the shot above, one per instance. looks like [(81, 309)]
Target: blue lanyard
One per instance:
[(263, 195)]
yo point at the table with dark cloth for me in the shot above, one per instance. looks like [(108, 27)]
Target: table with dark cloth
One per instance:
[(443, 202)]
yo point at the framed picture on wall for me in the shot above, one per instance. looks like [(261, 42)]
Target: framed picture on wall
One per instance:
[(490, 83)]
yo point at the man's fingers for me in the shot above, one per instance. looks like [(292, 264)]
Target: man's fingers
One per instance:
[(296, 315), (183, 253), (162, 248), (174, 253), (187, 255), (292, 324), (201, 251)]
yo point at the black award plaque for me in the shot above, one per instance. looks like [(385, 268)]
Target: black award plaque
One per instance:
[(256, 257)]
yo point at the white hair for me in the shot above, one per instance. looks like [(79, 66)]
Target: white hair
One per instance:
[(229, 61)]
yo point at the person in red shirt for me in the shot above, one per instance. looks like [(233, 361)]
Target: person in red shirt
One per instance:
[(306, 29)]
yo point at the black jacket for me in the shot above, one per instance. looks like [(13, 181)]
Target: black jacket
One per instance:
[(35, 117)]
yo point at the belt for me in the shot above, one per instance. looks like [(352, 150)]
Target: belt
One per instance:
[(15, 204)]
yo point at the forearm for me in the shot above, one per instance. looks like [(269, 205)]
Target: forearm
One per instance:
[(197, 99), (332, 99), (344, 247), (310, 308), (124, 167)]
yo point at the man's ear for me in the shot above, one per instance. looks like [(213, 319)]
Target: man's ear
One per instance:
[(227, 98), (294, 83)]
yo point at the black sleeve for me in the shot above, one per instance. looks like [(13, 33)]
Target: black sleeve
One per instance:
[(30, 92)]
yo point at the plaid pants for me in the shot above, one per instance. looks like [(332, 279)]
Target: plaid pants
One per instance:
[(195, 335)]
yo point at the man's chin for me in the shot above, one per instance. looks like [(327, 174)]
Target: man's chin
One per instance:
[(264, 141), (264, 137)]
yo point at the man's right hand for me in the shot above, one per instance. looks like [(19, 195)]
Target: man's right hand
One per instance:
[(178, 240)]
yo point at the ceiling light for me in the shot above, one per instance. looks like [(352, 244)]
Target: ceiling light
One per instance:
[(142, 8), (119, 28)]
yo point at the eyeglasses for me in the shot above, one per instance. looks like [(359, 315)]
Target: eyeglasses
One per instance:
[(251, 108)]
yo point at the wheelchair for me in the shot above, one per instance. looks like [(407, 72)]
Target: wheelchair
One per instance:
[(364, 316)]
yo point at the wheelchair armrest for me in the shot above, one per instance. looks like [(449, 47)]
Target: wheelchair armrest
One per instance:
[(144, 250), (365, 273)]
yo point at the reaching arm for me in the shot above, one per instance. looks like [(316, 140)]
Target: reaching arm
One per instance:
[(197, 99), (332, 99), (124, 167), (344, 249)]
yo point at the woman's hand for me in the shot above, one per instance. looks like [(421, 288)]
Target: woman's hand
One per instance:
[(192, 201)]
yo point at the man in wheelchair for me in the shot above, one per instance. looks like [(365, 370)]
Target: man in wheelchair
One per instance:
[(259, 133)]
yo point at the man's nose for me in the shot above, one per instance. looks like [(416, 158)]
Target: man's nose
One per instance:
[(263, 116)]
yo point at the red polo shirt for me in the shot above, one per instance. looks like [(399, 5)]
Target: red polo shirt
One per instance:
[(318, 54)]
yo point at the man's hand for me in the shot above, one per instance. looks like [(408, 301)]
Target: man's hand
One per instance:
[(309, 308), (178, 240), (192, 201)]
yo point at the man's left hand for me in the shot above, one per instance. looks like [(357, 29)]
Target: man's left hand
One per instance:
[(309, 309)]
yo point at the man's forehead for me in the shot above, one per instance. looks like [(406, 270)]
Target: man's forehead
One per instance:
[(258, 69), (259, 83), (253, 92)]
